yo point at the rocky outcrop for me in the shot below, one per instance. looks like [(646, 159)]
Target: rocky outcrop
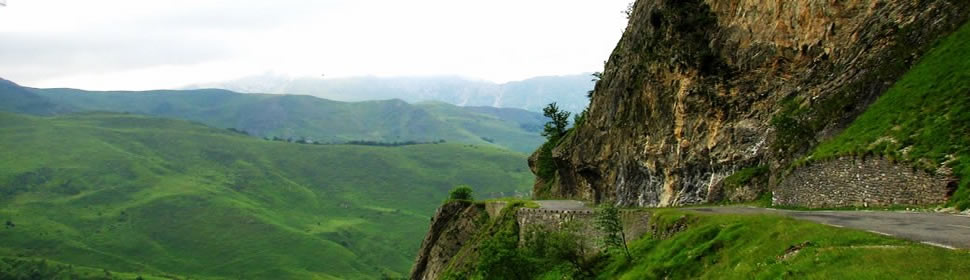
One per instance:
[(459, 229), (698, 89), (453, 225), (848, 182)]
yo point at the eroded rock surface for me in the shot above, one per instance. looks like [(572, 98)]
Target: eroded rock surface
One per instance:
[(453, 225), (696, 90)]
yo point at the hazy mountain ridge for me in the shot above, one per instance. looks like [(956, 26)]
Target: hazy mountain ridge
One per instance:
[(298, 116), (530, 94)]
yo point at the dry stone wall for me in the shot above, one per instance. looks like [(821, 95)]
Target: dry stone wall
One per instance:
[(849, 182)]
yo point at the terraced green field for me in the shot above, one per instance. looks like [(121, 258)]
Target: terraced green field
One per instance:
[(152, 196)]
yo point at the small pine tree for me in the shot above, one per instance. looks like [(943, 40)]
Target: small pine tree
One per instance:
[(558, 120), (608, 221)]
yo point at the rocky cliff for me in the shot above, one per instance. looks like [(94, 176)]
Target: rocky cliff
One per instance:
[(453, 225), (697, 90)]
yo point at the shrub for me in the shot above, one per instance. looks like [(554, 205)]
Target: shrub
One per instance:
[(461, 193)]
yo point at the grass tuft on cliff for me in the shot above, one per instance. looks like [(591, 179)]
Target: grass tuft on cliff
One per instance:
[(923, 120)]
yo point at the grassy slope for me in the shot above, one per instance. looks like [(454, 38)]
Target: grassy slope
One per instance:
[(17, 99), (139, 194), (31, 269), (502, 126), (743, 247), (320, 119), (753, 247), (924, 119)]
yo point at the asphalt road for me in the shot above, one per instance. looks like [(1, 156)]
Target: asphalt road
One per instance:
[(941, 230)]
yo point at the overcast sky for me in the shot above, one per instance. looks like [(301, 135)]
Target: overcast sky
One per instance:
[(149, 44)]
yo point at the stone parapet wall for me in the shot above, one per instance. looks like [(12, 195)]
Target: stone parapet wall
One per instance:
[(635, 222), (847, 182)]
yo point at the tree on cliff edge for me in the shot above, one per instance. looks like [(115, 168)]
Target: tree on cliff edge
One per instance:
[(558, 120)]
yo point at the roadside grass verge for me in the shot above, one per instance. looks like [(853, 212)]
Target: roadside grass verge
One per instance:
[(775, 247)]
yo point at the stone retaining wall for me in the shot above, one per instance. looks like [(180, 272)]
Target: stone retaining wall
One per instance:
[(849, 182), (635, 222)]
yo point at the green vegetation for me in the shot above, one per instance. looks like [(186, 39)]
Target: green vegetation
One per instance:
[(923, 120), (461, 193), (154, 197), (512, 128), (544, 253), (744, 176), (500, 256), (554, 131), (23, 269), (685, 245), (545, 164), (17, 99), (302, 118), (558, 121), (527, 203), (608, 222), (775, 247)]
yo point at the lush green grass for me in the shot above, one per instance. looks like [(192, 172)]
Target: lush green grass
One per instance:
[(755, 247), (154, 196), (298, 116), (515, 201), (923, 120), (690, 245), (515, 129), (27, 269), (744, 176)]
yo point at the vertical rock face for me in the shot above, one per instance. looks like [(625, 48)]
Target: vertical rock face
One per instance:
[(454, 224), (697, 89)]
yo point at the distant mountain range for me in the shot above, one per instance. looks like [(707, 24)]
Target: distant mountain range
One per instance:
[(297, 116), (531, 94)]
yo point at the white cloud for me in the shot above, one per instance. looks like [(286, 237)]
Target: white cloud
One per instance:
[(129, 44)]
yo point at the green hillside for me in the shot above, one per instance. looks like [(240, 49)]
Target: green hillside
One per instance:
[(924, 119), (16, 99), (154, 196), (515, 129), (299, 116)]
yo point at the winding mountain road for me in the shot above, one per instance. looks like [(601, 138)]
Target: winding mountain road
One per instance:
[(941, 230)]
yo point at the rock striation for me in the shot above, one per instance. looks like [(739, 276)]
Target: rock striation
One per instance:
[(698, 89)]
